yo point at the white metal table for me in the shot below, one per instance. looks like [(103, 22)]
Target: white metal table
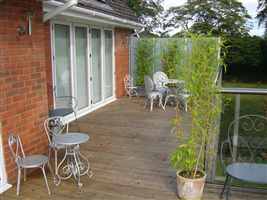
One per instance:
[(174, 92), (174, 81), (73, 164)]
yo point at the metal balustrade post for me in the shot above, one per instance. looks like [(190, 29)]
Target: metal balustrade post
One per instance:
[(236, 127)]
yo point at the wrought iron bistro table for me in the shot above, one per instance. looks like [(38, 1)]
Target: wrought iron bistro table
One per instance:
[(73, 164)]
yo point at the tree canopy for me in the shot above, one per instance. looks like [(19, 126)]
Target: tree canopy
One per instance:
[(221, 17), (149, 13), (262, 13)]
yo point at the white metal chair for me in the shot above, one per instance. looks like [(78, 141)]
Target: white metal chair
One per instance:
[(160, 80), (26, 162), (241, 152), (151, 94), (179, 94), (53, 127), (65, 105), (129, 88)]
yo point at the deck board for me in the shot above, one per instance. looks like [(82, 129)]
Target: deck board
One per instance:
[(128, 151)]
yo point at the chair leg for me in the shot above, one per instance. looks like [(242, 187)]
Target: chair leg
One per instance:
[(228, 188), (166, 101), (45, 178), (25, 174), (50, 169), (49, 154), (151, 104), (56, 170), (18, 181), (67, 127), (161, 104), (224, 186)]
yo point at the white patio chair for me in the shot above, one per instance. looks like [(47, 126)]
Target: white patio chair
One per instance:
[(26, 162), (241, 152), (179, 94), (53, 127), (129, 88), (65, 105), (160, 80), (151, 94)]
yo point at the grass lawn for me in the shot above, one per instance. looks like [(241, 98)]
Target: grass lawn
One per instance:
[(249, 104)]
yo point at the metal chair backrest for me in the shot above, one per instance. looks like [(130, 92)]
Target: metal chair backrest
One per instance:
[(53, 127), (246, 139), (160, 79), (16, 148), (128, 81), (149, 85)]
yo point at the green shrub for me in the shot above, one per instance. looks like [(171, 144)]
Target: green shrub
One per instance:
[(144, 59), (171, 58)]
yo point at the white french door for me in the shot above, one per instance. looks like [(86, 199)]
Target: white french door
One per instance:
[(108, 64), (83, 64), (82, 67), (96, 68), (62, 60)]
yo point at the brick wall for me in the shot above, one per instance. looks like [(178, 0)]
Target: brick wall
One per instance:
[(26, 79), (121, 58), (23, 86)]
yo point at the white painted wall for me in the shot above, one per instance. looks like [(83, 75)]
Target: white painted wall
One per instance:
[(3, 177)]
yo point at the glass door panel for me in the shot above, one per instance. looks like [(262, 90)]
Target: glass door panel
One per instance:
[(108, 64), (81, 67), (96, 72), (62, 61)]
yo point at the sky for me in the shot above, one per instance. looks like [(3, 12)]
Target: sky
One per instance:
[(251, 6)]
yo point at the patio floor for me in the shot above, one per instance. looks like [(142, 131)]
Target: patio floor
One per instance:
[(128, 151)]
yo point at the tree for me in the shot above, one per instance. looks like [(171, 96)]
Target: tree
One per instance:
[(262, 13), (149, 12), (221, 17), (245, 58)]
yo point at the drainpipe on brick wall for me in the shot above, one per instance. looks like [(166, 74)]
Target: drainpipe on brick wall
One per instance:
[(60, 9)]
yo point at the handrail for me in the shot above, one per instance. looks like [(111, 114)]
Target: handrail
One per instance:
[(252, 91)]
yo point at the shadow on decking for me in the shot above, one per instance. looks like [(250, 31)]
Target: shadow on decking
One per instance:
[(128, 150)]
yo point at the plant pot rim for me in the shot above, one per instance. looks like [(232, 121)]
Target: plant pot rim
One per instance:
[(195, 179)]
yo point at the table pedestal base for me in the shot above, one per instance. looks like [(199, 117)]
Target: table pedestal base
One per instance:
[(73, 164)]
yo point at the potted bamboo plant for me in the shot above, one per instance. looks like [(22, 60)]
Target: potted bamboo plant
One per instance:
[(199, 72)]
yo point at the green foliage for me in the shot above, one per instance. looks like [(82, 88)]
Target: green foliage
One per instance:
[(199, 72), (184, 158), (149, 12), (144, 59), (220, 17), (171, 57), (246, 57)]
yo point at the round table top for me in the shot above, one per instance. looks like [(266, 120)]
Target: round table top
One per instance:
[(60, 112), (71, 138), (250, 172)]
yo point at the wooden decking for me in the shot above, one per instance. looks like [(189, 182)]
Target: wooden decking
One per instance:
[(128, 150)]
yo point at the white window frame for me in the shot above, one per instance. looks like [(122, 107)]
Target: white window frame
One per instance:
[(91, 107), (113, 61), (83, 110), (53, 57), (102, 72)]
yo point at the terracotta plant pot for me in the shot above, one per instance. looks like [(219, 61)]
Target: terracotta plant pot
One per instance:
[(190, 189)]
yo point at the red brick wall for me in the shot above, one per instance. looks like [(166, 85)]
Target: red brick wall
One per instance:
[(23, 86), (121, 58)]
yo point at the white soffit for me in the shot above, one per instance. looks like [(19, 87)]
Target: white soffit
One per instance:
[(89, 15)]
